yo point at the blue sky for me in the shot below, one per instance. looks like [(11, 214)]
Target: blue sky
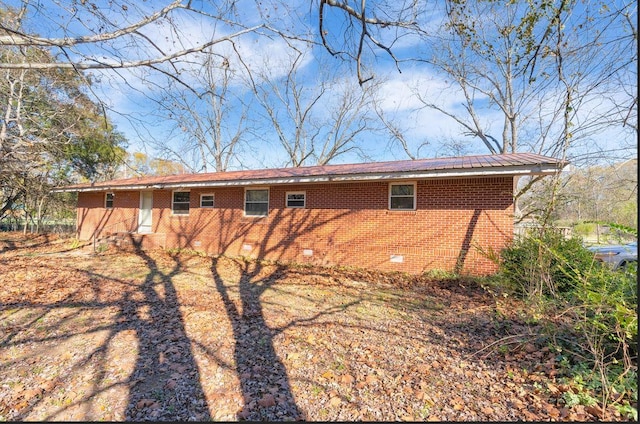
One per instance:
[(131, 95), (260, 53)]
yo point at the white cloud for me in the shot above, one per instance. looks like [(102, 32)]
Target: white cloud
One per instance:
[(403, 91), (401, 103)]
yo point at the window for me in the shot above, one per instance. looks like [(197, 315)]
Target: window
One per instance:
[(206, 200), (402, 197), (108, 200), (180, 202), (256, 202), (296, 199)]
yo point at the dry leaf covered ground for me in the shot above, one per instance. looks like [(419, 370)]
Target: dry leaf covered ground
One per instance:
[(159, 336)]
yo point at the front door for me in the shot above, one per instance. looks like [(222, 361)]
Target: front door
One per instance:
[(144, 219)]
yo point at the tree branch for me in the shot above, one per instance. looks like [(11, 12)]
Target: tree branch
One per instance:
[(17, 38), (130, 64), (360, 16)]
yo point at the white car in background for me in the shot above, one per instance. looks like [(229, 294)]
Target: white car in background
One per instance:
[(619, 256)]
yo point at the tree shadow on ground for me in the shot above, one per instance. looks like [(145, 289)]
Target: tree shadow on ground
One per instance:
[(144, 310), (264, 381), (165, 358), (16, 241), (162, 384), (263, 377)]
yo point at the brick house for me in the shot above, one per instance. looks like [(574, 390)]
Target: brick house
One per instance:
[(410, 216)]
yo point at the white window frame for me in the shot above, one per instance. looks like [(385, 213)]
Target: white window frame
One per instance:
[(106, 200), (304, 199), (213, 200), (245, 201), (173, 212), (415, 198)]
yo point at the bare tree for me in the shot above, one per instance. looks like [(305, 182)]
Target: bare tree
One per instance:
[(209, 120), (117, 35), (538, 64), (139, 164), (368, 27), (604, 193), (314, 123), (551, 70), (552, 77), (121, 33)]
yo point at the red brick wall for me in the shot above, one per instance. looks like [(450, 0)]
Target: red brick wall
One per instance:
[(93, 216), (343, 223)]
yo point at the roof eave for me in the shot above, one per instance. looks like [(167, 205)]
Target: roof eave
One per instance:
[(540, 169)]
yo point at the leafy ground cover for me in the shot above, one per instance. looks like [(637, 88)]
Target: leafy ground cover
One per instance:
[(134, 335)]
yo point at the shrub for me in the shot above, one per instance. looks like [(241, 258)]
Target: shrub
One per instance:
[(584, 229), (544, 264), (598, 306)]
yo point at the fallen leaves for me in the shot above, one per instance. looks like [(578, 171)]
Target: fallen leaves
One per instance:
[(457, 403), (147, 403), (267, 400), (595, 410), (487, 410), (347, 379), (98, 337), (335, 401)]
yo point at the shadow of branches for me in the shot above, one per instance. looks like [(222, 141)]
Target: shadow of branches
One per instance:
[(263, 378), (132, 361), (165, 358), (149, 335)]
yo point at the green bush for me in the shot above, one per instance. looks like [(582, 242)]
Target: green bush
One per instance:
[(598, 306), (551, 269), (544, 264), (584, 229), (609, 302)]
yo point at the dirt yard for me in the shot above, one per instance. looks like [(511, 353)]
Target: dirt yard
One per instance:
[(176, 336)]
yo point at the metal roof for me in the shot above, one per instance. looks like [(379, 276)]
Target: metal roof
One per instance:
[(464, 166)]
